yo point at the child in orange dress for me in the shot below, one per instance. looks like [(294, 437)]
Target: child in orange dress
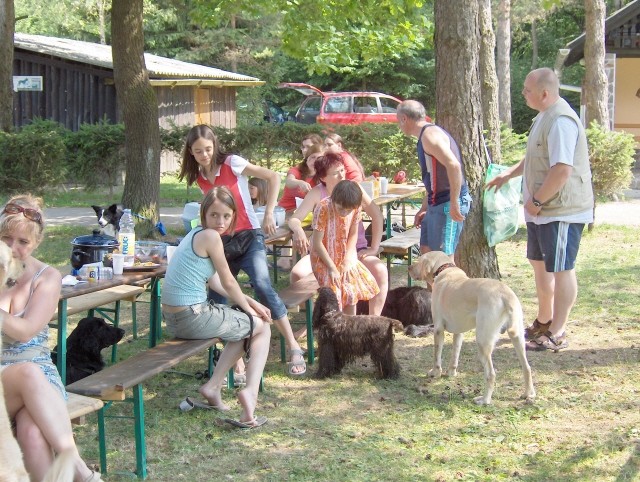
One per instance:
[(333, 247)]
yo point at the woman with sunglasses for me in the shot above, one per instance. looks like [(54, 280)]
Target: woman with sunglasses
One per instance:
[(34, 394)]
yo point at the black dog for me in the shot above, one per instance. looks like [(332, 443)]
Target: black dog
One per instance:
[(411, 305), (84, 345), (342, 338), (109, 219)]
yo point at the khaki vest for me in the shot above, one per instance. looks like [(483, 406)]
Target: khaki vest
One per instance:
[(576, 195)]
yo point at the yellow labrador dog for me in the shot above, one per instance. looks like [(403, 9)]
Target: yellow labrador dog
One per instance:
[(11, 465), (459, 304)]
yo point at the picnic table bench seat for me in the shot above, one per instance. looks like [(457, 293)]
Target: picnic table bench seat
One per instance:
[(400, 244), (78, 406), (111, 384)]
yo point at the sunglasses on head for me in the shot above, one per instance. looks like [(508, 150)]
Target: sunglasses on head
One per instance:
[(29, 213)]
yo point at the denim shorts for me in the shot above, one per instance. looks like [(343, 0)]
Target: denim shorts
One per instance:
[(254, 263), (555, 243), (208, 320), (438, 231)]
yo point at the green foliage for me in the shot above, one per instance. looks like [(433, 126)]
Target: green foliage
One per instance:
[(611, 155), (96, 154), (346, 36), (379, 147), (32, 158), (513, 145)]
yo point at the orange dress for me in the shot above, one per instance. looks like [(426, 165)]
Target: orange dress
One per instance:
[(356, 282)]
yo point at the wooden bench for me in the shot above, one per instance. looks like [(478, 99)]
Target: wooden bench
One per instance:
[(302, 291), (112, 383), (79, 406), (400, 244)]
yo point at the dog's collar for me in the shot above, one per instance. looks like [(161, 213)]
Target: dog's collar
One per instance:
[(442, 268)]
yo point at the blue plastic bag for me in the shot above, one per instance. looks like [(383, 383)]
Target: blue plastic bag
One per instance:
[(500, 207)]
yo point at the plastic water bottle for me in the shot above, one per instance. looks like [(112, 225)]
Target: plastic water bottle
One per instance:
[(127, 238)]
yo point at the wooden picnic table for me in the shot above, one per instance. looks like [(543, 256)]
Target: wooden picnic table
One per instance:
[(397, 193), (106, 286)]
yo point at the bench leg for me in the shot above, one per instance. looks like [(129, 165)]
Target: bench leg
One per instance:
[(62, 340), (310, 347), (141, 445), (410, 259), (134, 319), (116, 323), (102, 442)]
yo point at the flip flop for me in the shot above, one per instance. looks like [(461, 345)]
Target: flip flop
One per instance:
[(189, 404), (255, 423), (293, 364)]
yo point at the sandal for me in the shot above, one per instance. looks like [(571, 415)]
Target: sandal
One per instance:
[(554, 343), (300, 363), (536, 329)]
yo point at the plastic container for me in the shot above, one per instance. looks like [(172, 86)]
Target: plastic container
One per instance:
[(191, 211), (127, 238), (151, 251), (279, 214)]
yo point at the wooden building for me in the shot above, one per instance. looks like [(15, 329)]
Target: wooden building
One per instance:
[(622, 43), (78, 86)]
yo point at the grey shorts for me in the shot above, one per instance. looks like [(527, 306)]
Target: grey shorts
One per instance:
[(208, 320)]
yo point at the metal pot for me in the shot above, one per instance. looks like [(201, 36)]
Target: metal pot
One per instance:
[(91, 248)]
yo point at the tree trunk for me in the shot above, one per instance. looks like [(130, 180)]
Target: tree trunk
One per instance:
[(534, 45), (7, 27), (489, 81), (459, 110), (596, 91), (139, 106), (503, 47)]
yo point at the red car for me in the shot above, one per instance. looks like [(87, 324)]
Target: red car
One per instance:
[(343, 107)]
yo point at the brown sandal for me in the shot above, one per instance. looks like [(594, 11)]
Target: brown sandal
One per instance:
[(553, 343), (536, 329)]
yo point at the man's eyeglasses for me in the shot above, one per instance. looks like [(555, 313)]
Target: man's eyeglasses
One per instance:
[(29, 213)]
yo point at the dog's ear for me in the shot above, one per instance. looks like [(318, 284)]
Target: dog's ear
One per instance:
[(113, 208), (97, 209)]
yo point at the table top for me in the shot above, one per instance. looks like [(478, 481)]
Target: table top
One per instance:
[(124, 279), (396, 192)]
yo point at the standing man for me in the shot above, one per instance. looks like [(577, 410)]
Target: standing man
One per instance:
[(447, 202), (558, 202)]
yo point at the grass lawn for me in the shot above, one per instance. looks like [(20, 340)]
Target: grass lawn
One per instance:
[(584, 425)]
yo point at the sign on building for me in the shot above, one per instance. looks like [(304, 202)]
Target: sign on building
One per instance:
[(27, 83)]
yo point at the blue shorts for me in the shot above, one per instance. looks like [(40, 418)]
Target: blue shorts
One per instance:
[(438, 231), (555, 243)]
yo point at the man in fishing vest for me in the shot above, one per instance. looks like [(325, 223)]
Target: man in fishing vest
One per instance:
[(558, 198)]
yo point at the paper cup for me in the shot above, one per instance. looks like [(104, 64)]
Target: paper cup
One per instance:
[(170, 251), (117, 260)]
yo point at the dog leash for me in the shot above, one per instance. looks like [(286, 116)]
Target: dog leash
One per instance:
[(159, 226)]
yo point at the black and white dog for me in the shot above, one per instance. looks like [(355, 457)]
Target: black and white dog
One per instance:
[(109, 219)]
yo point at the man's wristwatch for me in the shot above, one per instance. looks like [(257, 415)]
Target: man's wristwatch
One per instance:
[(535, 202)]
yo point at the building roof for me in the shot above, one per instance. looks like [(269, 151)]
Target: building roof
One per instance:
[(615, 20), (162, 70)]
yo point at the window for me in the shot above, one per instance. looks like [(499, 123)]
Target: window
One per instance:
[(312, 105), (338, 105), (389, 106), (365, 105)]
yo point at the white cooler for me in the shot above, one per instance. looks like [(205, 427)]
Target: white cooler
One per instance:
[(191, 212)]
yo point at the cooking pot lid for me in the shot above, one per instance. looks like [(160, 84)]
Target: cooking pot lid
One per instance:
[(95, 239)]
